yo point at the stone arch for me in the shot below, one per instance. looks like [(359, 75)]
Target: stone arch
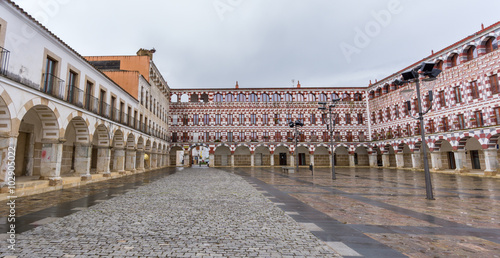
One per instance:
[(282, 155), (5, 113), (118, 139), (140, 143), (475, 158), (222, 155), (37, 141), (130, 143), (341, 156), (76, 147), (303, 155), (100, 155), (262, 155), (446, 154), (176, 156), (195, 150), (242, 155), (322, 155), (406, 150), (361, 156), (147, 147), (391, 156)]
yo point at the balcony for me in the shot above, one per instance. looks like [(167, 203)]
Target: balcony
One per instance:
[(53, 86), (4, 60)]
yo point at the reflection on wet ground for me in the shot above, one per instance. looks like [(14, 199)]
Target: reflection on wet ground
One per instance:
[(389, 207), (60, 203)]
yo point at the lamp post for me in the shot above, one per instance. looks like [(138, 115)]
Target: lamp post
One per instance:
[(329, 127), (296, 124), (425, 69)]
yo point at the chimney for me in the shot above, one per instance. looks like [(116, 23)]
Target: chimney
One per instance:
[(482, 26), (298, 84), (237, 86), (146, 52)]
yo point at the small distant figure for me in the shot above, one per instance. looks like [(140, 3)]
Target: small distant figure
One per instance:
[(311, 168)]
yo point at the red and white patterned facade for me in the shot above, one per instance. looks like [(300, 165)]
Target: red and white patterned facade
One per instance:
[(462, 126)]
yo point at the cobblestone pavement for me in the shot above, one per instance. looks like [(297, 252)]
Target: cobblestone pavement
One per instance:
[(195, 212), (390, 208)]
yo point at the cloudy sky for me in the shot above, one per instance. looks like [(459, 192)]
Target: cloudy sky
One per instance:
[(266, 43)]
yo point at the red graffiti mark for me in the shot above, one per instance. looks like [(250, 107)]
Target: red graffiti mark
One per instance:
[(44, 153)]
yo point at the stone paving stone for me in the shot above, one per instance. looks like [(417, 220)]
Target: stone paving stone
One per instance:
[(203, 213)]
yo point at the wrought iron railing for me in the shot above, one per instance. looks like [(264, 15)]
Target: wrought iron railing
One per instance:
[(53, 86), (4, 60)]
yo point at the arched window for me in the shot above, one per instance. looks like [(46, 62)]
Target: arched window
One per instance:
[(358, 97), (276, 97), (439, 65), (311, 97), (471, 53), (241, 97), (335, 96), (372, 94), (385, 89), (194, 98), (299, 97), (218, 97), (204, 98), (253, 97), (265, 97), (174, 98), (184, 98), (346, 97), (288, 97), (322, 97), (229, 97), (454, 60), (491, 44)]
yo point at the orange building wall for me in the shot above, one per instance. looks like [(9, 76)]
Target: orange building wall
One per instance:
[(128, 63), (128, 80)]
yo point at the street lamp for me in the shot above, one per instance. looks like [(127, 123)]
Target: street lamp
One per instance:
[(296, 124), (413, 75), (329, 127)]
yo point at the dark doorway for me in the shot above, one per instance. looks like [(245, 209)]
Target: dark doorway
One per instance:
[(474, 156), (451, 160), (355, 159), (93, 159), (283, 159), (73, 158), (302, 159)]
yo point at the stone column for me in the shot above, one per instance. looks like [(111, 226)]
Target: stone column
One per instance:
[(311, 159), (5, 153), (140, 163), (292, 160), (103, 159), (187, 159), (232, 160), (372, 158), (415, 159), (436, 163), (491, 162), (119, 160), (252, 159), (385, 160), (82, 154), (211, 157), (130, 159), (153, 159), (460, 160), (271, 159), (351, 160), (50, 166), (400, 160)]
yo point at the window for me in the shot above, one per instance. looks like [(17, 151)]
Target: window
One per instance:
[(337, 137), (277, 136), (322, 97), (229, 136), (325, 137), (288, 97), (461, 121), (276, 97), (361, 136), (388, 113), (253, 119), (348, 119), (253, 97), (276, 119), (242, 119), (266, 136), (323, 118), (446, 126), (265, 97), (357, 97), (396, 111), (454, 60), (442, 101), (313, 119), (478, 115), (230, 119), (185, 137), (102, 102), (494, 84), (301, 118), (207, 136), (497, 115), (242, 97), (491, 44), (431, 126), (335, 96), (174, 137), (229, 97), (195, 119), (360, 119), (72, 85), (349, 136), (88, 94), (253, 136), (185, 119), (217, 136), (289, 118), (474, 90), (50, 78), (471, 53), (242, 136), (311, 97), (299, 97), (218, 97), (458, 94), (265, 119), (289, 136), (217, 119), (174, 119)]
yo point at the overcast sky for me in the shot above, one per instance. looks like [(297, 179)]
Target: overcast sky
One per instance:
[(266, 43)]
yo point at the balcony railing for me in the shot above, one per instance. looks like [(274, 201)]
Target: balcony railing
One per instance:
[(4, 60), (53, 86)]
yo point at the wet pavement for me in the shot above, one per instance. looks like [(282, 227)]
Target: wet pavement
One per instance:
[(369, 212), (384, 213)]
